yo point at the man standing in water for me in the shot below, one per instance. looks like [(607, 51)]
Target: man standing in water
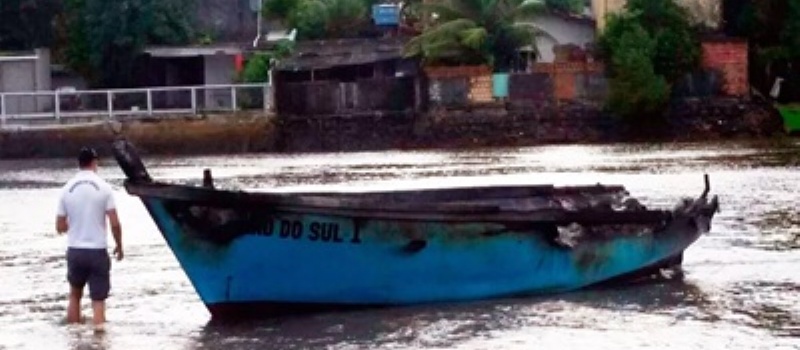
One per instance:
[(86, 200)]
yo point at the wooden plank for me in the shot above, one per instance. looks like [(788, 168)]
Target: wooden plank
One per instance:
[(468, 193)]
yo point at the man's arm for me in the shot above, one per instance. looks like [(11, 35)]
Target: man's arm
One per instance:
[(61, 217), (61, 224), (116, 231)]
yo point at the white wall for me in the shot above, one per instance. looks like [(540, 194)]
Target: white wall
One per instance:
[(561, 31), (219, 70), (26, 74)]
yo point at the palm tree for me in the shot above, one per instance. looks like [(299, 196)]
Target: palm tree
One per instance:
[(476, 32)]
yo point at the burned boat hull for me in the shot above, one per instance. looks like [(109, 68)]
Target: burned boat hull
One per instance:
[(251, 253), (246, 258)]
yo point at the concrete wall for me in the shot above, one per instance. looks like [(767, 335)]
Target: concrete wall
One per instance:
[(542, 122), (572, 81), (231, 133), (459, 86), (561, 31), (219, 70), (25, 74)]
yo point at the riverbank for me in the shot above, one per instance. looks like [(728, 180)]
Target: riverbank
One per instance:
[(540, 123), (212, 134), (483, 126)]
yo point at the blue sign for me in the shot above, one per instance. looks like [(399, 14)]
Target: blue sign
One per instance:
[(386, 14)]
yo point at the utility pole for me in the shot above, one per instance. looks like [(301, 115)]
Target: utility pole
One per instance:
[(256, 6)]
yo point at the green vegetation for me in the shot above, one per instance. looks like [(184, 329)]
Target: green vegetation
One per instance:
[(573, 6), (106, 37), (648, 47), (257, 68), (476, 32), (321, 19), (636, 88), (773, 32), (27, 24)]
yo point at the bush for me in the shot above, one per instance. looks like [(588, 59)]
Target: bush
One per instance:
[(677, 49), (649, 47), (319, 19), (256, 70), (636, 89)]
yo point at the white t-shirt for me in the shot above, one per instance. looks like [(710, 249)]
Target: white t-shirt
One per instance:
[(84, 201)]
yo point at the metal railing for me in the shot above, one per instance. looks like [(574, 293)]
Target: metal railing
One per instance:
[(63, 105)]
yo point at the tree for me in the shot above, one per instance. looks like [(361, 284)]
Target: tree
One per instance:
[(772, 29), (677, 49), (636, 89), (649, 46), (319, 19), (27, 24), (172, 22), (310, 18), (107, 37), (476, 32), (790, 33)]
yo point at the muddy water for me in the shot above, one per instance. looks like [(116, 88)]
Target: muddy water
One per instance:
[(740, 288)]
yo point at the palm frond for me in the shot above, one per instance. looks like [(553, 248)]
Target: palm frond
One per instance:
[(474, 38), (448, 33), (449, 28), (481, 30), (527, 9)]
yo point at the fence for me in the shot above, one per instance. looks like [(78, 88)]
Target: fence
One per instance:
[(62, 105)]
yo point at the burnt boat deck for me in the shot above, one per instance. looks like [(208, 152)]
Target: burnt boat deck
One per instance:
[(533, 204)]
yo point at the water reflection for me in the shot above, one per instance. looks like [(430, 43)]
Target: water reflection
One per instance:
[(779, 228), (764, 305), (448, 325), (83, 339)]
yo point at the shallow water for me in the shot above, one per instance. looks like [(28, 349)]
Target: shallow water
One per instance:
[(740, 288)]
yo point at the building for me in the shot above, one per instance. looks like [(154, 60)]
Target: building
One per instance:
[(561, 29), (25, 72), (347, 76), (214, 64)]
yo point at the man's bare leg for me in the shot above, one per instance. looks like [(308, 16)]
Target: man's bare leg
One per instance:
[(99, 309), (74, 306)]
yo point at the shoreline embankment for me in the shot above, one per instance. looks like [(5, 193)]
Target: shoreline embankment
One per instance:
[(495, 125)]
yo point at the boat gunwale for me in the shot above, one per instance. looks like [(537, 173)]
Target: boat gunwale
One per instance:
[(443, 212)]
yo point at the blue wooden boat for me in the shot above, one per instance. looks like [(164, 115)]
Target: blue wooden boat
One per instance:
[(260, 254)]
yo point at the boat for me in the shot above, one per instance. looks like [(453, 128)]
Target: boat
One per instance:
[(266, 253), (791, 117)]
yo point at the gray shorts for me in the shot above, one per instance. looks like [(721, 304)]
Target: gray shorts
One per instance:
[(92, 266)]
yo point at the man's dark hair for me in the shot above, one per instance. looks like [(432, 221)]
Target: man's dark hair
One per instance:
[(86, 156)]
